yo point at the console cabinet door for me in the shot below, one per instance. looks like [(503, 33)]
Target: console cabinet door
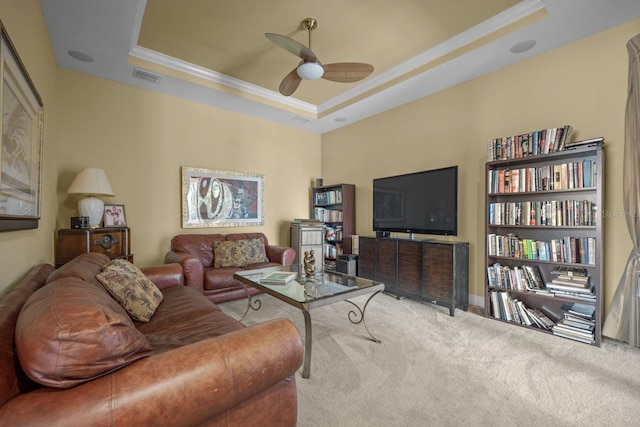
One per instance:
[(437, 262), (410, 267), (387, 264), (367, 255)]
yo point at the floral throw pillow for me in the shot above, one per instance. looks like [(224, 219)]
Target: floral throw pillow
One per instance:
[(238, 253), (255, 251), (229, 253), (131, 288)]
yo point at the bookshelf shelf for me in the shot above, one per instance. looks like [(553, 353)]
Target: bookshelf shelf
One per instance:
[(334, 205), (543, 237)]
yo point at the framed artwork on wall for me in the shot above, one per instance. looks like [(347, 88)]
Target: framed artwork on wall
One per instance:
[(214, 198), (114, 216), (21, 144)]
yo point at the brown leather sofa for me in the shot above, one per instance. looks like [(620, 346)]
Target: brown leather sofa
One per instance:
[(196, 254), (196, 365)]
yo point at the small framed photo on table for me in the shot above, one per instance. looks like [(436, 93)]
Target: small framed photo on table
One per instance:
[(114, 216)]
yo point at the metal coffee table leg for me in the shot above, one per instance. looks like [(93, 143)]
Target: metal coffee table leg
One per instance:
[(356, 318), (252, 303), (306, 366)]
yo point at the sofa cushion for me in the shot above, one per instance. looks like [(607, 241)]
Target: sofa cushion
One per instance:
[(131, 288), (220, 278), (238, 253), (255, 251), (198, 245), (185, 317), (69, 333), (84, 266)]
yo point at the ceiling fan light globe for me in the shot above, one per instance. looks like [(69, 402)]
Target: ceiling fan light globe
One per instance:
[(310, 71)]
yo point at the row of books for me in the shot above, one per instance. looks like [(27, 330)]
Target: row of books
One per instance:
[(545, 213), (505, 307), (530, 144), (333, 251), (328, 197), (578, 323), (570, 284), (528, 278), (327, 215), (577, 250), (522, 279), (563, 176)]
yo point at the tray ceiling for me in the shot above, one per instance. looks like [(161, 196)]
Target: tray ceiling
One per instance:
[(215, 51)]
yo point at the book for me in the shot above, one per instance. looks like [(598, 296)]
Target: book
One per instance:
[(278, 278), (585, 142)]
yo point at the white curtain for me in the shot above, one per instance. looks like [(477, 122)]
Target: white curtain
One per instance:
[(623, 320)]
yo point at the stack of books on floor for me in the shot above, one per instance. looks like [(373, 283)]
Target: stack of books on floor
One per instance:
[(578, 323), (571, 282)]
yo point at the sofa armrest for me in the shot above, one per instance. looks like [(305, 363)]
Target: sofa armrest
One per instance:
[(191, 267), (184, 386), (165, 275), (280, 254)]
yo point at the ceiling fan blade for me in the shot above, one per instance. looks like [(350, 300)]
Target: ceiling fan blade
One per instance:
[(293, 46), (346, 72), (290, 83)]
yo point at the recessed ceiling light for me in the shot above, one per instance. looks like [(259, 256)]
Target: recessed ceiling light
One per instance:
[(80, 56), (522, 46), (298, 119), (340, 119)]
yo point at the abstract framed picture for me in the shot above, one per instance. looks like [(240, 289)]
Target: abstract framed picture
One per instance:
[(21, 153), (214, 198), (114, 216)]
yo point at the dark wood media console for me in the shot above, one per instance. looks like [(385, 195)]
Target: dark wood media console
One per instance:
[(429, 270)]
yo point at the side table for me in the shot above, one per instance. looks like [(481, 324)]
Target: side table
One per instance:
[(115, 242)]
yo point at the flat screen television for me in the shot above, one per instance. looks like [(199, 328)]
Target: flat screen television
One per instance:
[(417, 203)]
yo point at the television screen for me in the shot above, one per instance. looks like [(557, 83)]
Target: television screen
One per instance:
[(421, 202)]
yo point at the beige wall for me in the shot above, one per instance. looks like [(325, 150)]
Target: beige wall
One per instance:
[(583, 84), (20, 250), (141, 139)]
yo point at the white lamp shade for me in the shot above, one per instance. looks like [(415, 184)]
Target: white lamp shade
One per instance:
[(310, 71), (92, 182)]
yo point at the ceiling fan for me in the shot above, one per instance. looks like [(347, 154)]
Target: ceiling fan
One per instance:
[(310, 67)]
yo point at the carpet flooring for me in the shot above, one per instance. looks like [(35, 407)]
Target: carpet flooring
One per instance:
[(435, 370)]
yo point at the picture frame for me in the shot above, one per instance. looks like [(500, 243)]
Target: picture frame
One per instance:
[(114, 216), (21, 142), (215, 198)]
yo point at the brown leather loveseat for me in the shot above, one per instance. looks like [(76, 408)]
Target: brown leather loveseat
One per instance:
[(210, 260), (70, 355)]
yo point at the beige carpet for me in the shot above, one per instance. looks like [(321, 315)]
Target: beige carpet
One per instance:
[(435, 370)]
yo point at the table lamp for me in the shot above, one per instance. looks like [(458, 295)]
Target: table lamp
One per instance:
[(91, 182)]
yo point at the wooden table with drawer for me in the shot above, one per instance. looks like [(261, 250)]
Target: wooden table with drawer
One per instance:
[(115, 242)]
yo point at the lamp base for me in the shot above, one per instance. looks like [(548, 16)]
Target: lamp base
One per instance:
[(93, 208)]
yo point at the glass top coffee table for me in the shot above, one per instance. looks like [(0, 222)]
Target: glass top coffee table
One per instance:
[(308, 293)]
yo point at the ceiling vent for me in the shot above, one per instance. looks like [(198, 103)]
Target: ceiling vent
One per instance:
[(146, 75)]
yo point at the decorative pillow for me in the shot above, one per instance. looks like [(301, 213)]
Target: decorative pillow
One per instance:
[(131, 288), (255, 251), (68, 333), (230, 253)]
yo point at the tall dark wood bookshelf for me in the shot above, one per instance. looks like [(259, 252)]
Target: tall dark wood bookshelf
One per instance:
[(544, 225), (334, 205)]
